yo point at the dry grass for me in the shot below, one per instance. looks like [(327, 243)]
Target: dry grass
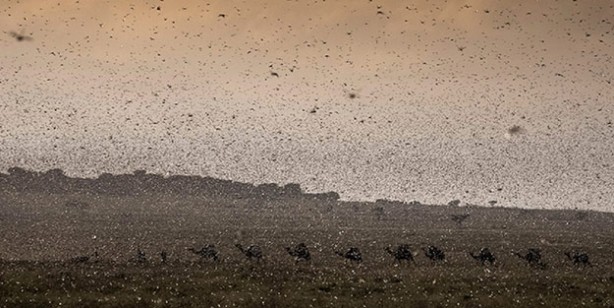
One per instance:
[(270, 285), (40, 232)]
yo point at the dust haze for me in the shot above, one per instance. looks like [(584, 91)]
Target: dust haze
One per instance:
[(364, 153), (371, 99)]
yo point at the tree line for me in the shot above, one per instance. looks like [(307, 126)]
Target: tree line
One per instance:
[(55, 181)]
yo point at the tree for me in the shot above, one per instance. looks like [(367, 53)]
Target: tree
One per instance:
[(139, 173), (18, 172), (55, 173), (454, 203), (292, 189)]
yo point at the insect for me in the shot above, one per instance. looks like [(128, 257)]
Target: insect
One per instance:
[(20, 37)]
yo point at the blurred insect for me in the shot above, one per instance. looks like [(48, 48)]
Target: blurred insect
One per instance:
[(20, 37)]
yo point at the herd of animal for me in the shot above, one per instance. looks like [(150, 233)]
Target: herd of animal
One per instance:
[(403, 252)]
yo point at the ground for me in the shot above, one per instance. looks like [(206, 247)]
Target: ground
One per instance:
[(39, 235)]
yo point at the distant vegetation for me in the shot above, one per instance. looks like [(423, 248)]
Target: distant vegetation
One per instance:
[(140, 182)]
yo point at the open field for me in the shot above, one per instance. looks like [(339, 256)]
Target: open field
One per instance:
[(39, 233)]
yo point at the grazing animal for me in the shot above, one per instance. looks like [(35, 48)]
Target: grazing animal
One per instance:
[(402, 252), (140, 257), (434, 253), (533, 257), (353, 254), (578, 258), (300, 252), (163, 256), (484, 256), (84, 259), (252, 251), (207, 252)]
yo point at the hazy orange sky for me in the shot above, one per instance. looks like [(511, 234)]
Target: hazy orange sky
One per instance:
[(259, 91)]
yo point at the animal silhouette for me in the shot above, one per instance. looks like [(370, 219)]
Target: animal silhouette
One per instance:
[(207, 252), (484, 256), (402, 252), (140, 257), (353, 254), (300, 252), (579, 258), (252, 252), (434, 253), (533, 257)]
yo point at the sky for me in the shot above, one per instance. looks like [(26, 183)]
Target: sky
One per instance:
[(428, 100)]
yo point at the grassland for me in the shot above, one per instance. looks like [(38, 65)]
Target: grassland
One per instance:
[(39, 233)]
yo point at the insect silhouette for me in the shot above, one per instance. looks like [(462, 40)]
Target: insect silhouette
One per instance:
[(20, 37)]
